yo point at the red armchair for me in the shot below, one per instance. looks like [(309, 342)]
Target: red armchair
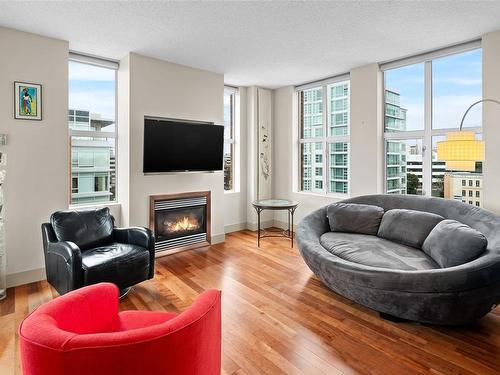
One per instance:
[(82, 332)]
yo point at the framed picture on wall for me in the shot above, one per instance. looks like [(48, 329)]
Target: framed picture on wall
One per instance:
[(27, 101)]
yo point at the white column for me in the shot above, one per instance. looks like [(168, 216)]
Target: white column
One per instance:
[(366, 131), (491, 121)]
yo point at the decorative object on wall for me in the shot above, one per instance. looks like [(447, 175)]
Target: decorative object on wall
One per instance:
[(27, 101), (265, 166), (264, 129)]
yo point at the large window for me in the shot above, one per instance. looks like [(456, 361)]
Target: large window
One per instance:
[(230, 144), (92, 124), (423, 102), (324, 138)]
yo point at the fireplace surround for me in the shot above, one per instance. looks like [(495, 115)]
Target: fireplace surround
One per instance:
[(180, 221)]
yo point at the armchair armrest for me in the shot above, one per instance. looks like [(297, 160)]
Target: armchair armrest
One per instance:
[(67, 250), (138, 236), (63, 262)]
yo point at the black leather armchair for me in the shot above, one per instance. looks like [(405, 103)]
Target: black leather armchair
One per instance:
[(84, 247)]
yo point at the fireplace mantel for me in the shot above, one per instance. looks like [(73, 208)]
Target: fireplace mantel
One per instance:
[(180, 221)]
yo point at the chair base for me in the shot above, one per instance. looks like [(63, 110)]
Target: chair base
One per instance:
[(124, 292)]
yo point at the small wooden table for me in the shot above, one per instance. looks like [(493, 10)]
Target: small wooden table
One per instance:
[(275, 204)]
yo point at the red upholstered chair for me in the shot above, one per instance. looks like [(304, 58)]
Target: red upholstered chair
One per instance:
[(82, 332)]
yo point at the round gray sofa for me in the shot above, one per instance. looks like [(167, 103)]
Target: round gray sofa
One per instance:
[(448, 296)]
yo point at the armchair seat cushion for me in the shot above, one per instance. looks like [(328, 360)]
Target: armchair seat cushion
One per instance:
[(122, 264)]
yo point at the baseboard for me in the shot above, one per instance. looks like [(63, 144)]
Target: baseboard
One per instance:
[(263, 224), (235, 227), (283, 225), (217, 238), (25, 277)]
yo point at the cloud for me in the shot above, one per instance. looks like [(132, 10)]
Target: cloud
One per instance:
[(449, 109), (95, 101), (85, 72), (459, 81)]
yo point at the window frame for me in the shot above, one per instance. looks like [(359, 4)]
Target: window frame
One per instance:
[(233, 141), (106, 64), (326, 140), (428, 133)]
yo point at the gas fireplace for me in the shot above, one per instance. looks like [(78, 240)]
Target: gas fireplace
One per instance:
[(180, 221)]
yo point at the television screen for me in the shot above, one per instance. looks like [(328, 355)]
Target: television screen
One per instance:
[(175, 146)]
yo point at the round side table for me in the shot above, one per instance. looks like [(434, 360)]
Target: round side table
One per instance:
[(275, 204)]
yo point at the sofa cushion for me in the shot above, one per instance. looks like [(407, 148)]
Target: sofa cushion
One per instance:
[(122, 264), (376, 252), (452, 243), (354, 218), (87, 229), (408, 227)]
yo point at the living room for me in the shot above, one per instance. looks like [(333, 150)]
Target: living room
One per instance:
[(249, 187)]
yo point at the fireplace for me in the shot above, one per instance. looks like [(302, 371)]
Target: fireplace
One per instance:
[(180, 221)]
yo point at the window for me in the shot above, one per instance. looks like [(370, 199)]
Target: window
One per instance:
[(478, 194), (230, 144), (423, 102), (324, 138), (463, 193), (92, 124), (470, 193), (478, 204)]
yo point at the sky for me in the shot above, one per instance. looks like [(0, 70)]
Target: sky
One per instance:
[(456, 84), (92, 88)]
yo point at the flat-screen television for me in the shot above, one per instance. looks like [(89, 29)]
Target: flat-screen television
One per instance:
[(181, 146)]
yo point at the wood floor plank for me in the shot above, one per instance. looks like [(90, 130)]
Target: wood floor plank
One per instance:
[(278, 318)]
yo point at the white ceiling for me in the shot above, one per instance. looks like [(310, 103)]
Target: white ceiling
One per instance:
[(270, 44)]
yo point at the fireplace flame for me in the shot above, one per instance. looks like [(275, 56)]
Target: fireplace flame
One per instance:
[(186, 223)]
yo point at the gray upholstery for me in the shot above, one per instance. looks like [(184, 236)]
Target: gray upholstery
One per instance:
[(454, 295), (408, 227), (452, 243), (354, 218), (373, 251)]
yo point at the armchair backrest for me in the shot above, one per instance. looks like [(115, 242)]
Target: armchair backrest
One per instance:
[(80, 333), (87, 229)]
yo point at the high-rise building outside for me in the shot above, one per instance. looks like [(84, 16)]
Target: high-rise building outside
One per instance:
[(396, 152), (93, 160), (312, 152)]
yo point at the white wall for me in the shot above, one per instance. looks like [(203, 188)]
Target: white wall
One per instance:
[(367, 159), (37, 181), (162, 89), (491, 120)]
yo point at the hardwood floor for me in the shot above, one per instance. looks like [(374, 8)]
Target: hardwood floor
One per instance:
[(279, 319)]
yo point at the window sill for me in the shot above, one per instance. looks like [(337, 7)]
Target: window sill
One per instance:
[(231, 192), (93, 205), (319, 195)]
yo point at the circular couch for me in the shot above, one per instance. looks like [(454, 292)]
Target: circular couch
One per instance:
[(448, 296)]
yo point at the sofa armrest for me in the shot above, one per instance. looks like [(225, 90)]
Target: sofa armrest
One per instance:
[(312, 226), (138, 236)]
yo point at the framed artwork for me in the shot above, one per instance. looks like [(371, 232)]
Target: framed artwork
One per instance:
[(27, 101)]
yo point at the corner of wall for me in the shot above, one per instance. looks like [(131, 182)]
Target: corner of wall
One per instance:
[(123, 142)]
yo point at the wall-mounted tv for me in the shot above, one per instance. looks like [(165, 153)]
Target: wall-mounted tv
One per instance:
[(182, 146)]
